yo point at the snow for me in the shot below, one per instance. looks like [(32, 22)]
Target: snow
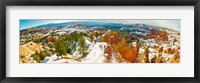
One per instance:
[(54, 59), (96, 54), (70, 30), (50, 59), (96, 51)]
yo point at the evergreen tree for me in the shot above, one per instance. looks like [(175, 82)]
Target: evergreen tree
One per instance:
[(91, 38), (38, 59), (60, 48), (42, 55), (83, 46), (97, 34)]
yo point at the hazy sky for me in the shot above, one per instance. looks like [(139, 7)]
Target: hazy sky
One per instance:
[(174, 24)]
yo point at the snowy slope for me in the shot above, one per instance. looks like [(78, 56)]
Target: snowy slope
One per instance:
[(96, 54)]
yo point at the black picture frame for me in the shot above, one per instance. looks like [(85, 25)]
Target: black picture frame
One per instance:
[(4, 3)]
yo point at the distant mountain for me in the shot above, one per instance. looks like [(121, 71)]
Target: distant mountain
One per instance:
[(94, 25), (101, 25), (60, 25), (108, 25)]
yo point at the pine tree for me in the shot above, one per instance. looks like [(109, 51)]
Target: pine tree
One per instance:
[(83, 46), (91, 38), (42, 55), (60, 48)]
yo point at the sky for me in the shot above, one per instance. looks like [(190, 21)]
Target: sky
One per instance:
[(173, 23)]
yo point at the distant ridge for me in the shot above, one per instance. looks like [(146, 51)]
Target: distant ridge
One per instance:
[(109, 25)]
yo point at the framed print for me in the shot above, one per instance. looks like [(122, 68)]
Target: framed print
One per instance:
[(99, 41)]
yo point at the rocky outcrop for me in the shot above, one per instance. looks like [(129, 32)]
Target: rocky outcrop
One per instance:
[(28, 49)]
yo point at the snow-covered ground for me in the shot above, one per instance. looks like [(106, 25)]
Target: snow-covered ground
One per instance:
[(96, 55), (96, 51), (54, 59)]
